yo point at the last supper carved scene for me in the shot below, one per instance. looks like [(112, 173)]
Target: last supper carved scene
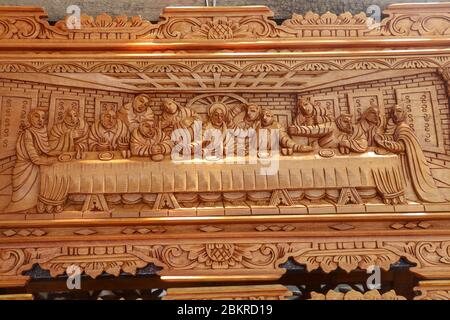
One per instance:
[(128, 130)]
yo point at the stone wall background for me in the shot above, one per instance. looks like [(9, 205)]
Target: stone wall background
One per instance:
[(151, 9)]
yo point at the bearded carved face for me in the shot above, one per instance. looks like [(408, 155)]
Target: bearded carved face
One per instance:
[(141, 103), (267, 118), (71, 118), (344, 123), (398, 114), (306, 108), (108, 119), (148, 128), (253, 112), (170, 106), (37, 119), (372, 115)]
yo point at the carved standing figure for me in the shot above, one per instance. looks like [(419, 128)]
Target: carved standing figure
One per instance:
[(149, 140), (109, 133), (415, 169), (71, 134), (135, 112), (32, 151), (340, 134)]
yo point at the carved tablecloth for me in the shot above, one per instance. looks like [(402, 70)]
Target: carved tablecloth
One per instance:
[(140, 175)]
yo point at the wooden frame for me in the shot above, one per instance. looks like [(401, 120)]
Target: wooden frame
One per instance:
[(229, 50)]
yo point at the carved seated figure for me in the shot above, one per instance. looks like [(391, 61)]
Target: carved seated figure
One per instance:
[(340, 134), (370, 124), (33, 151), (137, 111), (285, 141), (71, 135), (175, 116), (308, 114), (416, 172), (109, 134), (217, 134), (251, 118), (150, 141)]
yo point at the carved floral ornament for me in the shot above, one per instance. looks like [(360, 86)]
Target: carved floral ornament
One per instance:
[(218, 257), (226, 24)]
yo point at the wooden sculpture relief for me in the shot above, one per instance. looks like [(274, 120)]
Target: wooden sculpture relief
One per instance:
[(244, 117)]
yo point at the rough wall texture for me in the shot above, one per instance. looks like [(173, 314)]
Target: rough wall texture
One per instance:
[(151, 10)]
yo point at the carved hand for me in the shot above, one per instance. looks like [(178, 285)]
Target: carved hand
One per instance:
[(188, 122), (123, 143), (103, 144), (78, 152), (156, 149)]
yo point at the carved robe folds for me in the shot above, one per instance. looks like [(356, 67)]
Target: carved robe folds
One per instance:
[(32, 150), (66, 138), (414, 164), (102, 139), (145, 146)]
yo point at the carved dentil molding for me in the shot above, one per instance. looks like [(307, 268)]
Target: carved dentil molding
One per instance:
[(228, 23)]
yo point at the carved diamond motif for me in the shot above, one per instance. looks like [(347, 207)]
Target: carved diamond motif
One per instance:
[(397, 226), (342, 227), (9, 233), (38, 232), (85, 232), (210, 229), (24, 232)]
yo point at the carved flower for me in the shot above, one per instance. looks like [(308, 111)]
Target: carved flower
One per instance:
[(220, 255), (220, 29)]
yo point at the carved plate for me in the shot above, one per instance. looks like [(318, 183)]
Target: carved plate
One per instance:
[(326, 153), (106, 156), (65, 157)]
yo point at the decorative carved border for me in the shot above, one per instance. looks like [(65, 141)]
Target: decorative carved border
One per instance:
[(208, 260), (228, 23)]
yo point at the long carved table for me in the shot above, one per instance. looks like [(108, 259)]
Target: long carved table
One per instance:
[(310, 173), (343, 64)]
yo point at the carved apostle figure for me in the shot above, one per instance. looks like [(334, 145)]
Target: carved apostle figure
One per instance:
[(370, 124), (403, 141), (251, 118), (217, 134), (309, 114), (32, 151), (137, 111), (175, 116), (269, 123), (340, 134), (71, 135), (109, 133), (150, 141)]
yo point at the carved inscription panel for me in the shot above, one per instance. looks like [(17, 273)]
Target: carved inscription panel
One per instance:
[(14, 108), (423, 116), (360, 100), (60, 103)]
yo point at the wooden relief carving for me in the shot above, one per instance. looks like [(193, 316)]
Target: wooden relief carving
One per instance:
[(221, 116), (14, 109), (420, 104)]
